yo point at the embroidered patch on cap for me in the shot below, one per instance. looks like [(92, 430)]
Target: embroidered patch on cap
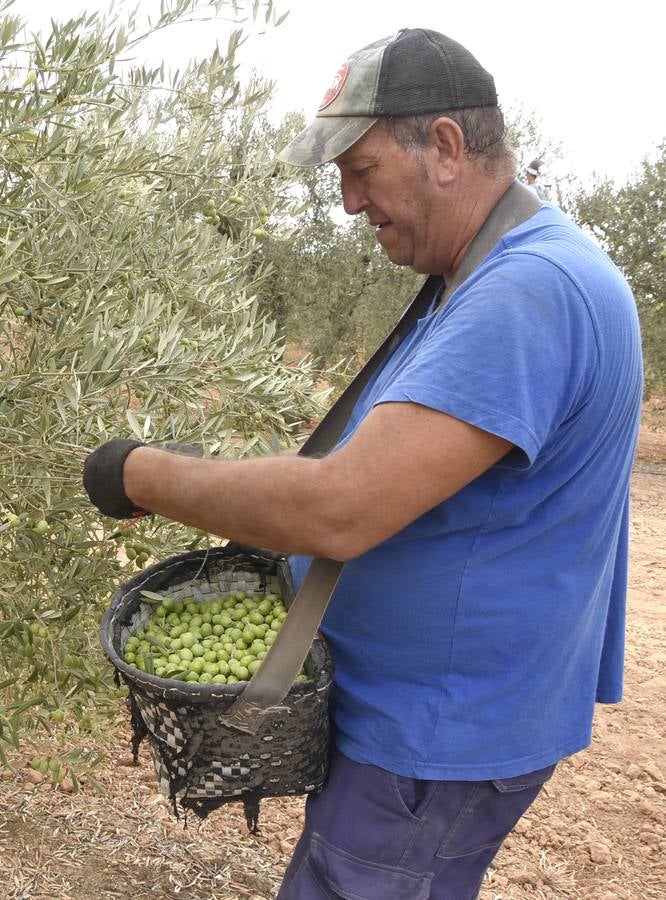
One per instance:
[(336, 87)]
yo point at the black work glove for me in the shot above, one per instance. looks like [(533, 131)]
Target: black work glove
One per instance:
[(103, 475)]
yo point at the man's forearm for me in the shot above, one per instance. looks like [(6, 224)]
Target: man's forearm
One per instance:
[(281, 502), (402, 461)]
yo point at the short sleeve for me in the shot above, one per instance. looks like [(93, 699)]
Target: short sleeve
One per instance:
[(513, 352)]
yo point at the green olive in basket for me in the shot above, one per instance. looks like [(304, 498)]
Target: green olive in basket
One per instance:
[(219, 641)]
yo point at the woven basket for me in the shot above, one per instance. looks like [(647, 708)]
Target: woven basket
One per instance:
[(200, 762)]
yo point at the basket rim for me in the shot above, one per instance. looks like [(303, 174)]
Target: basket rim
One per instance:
[(171, 688)]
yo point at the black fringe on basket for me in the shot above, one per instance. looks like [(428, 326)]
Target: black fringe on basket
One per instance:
[(202, 808), (251, 805), (139, 730)]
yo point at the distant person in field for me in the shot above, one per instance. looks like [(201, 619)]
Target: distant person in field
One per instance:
[(532, 173), (479, 495)]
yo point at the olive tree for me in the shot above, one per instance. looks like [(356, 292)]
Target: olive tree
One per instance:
[(136, 209), (630, 224)]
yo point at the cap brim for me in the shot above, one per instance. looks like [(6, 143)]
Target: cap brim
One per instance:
[(324, 139)]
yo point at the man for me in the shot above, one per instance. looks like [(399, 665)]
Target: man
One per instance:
[(479, 495)]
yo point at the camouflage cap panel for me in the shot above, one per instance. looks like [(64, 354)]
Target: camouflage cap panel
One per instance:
[(358, 95), (345, 118), (324, 139)]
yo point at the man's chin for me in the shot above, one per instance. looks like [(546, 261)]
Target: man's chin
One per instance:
[(420, 266), (397, 257), (407, 262)]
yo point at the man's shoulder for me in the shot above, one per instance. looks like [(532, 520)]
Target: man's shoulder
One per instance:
[(551, 242), (548, 226)]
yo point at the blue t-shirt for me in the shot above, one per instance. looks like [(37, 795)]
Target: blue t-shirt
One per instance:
[(474, 642)]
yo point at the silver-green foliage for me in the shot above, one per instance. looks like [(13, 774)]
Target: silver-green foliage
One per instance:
[(128, 307), (630, 224)]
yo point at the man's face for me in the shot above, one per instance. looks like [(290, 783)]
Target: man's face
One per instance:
[(396, 190)]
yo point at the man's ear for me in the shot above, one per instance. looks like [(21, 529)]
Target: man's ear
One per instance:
[(449, 144)]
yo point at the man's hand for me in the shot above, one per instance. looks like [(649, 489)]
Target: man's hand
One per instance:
[(103, 475), (103, 479)]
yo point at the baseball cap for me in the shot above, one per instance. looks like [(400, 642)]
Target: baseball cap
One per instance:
[(534, 167), (414, 71)]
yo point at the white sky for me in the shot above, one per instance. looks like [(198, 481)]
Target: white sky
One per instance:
[(592, 71)]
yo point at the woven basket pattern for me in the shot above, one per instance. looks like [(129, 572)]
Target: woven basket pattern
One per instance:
[(200, 762)]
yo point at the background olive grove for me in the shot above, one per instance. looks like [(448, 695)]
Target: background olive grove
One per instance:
[(161, 276)]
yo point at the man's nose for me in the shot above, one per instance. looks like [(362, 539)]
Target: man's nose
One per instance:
[(354, 200)]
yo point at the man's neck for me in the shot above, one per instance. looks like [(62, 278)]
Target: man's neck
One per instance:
[(475, 204)]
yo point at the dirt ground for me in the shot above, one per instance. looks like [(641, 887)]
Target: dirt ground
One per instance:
[(598, 830)]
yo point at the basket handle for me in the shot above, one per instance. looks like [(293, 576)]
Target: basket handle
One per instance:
[(272, 681)]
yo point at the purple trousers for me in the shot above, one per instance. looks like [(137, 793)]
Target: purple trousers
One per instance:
[(373, 835)]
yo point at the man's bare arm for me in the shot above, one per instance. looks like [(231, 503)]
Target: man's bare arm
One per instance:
[(403, 460)]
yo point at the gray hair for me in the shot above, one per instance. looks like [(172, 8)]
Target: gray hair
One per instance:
[(483, 129)]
